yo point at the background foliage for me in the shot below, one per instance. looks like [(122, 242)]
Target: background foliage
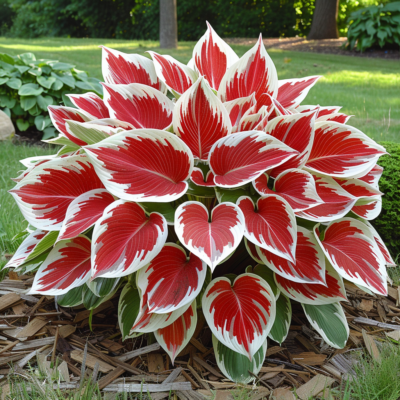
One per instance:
[(375, 25), (139, 19), (388, 222), (28, 86)]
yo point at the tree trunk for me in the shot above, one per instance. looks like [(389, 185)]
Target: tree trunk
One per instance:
[(324, 25), (168, 24)]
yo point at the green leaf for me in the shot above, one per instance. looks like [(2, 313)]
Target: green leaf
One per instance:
[(200, 191), (7, 111), (30, 89), (87, 132), (35, 110), (4, 80), (27, 58), (231, 195), (66, 100), (45, 244), (27, 102), (46, 82), (60, 66), (7, 58), (64, 78), (128, 309), (90, 300), (268, 275), (35, 71), (49, 133), (34, 264), (63, 141), (165, 209), (17, 110), (330, 322), (71, 299), (7, 101), (14, 83), (236, 366), (280, 328), (22, 125), (102, 287), (57, 85), (66, 150), (40, 122), (44, 101)]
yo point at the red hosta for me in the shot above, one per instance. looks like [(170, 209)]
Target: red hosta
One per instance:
[(155, 194)]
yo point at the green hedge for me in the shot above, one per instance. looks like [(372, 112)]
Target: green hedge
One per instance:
[(388, 222)]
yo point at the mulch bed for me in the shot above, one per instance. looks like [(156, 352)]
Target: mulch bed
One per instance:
[(34, 330), (325, 46)]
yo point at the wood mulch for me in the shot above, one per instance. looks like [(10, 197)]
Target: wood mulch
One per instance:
[(326, 46), (34, 330)]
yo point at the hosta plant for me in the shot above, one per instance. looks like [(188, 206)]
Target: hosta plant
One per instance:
[(205, 188)]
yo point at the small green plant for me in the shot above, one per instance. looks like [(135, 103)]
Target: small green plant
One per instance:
[(374, 26), (375, 380), (28, 86)]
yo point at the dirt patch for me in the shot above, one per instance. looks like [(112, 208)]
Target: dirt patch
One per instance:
[(326, 46)]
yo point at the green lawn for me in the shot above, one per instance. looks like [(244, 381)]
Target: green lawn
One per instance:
[(369, 89)]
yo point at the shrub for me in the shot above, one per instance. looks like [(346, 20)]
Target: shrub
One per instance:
[(374, 26), (234, 179), (28, 86), (388, 222)]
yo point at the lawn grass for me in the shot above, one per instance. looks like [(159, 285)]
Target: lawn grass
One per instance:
[(367, 88), (11, 219)]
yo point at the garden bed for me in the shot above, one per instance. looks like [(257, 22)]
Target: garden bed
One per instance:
[(38, 334)]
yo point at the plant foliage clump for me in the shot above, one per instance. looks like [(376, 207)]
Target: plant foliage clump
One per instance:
[(230, 200), (28, 86), (374, 26)]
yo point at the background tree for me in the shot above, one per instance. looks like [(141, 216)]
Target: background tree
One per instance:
[(168, 24), (324, 25)]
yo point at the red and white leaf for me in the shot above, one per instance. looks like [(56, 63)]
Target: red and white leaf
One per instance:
[(239, 158), (147, 322), (382, 247), (373, 176), (212, 57), (342, 151), (238, 107), (252, 250), (197, 178), (26, 248), (44, 195), (309, 264), (91, 103), (296, 186), (66, 267), (297, 132), (174, 337), (359, 188), (172, 279), (368, 208), (337, 202), (30, 166), (253, 121), (140, 105), (314, 293), (351, 248), (112, 123), (211, 241), (321, 110), (60, 114), (254, 72), (176, 76), (335, 117), (271, 226), (200, 119), (143, 165), (291, 92), (240, 315), (125, 239), (121, 68), (83, 212)]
